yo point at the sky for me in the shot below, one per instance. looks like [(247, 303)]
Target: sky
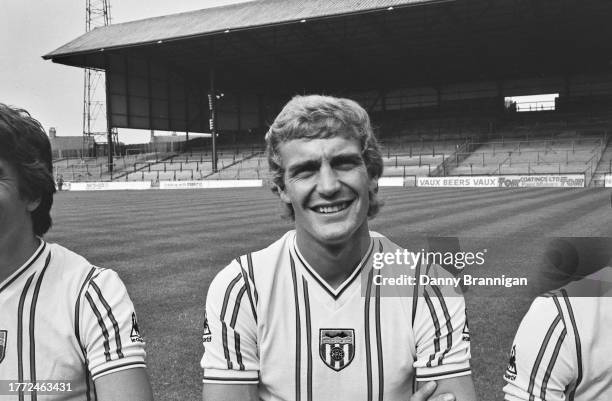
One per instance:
[(534, 102), (53, 93)]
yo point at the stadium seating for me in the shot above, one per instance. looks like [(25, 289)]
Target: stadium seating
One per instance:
[(250, 166), (77, 169), (549, 147), (552, 155), (185, 175), (96, 168), (604, 166)]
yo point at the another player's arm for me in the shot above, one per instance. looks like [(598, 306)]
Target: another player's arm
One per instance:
[(442, 341), (109, 335), (543, 361), (456, 388), (230, 392), (428, 391), (231, 372), (130, 384)]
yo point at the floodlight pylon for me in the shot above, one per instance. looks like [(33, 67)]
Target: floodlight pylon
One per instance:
[(95, 122)]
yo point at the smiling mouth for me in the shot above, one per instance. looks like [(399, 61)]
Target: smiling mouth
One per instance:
[(338, 207)]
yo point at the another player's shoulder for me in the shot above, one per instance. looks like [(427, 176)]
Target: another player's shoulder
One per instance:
[(545, 304), (597, 285), (69, 267), (75, 272), (382, 243), (226, 278), (261, 261), (71, 261), (251, 270), (376, 236), (546, 310), (272, 252)]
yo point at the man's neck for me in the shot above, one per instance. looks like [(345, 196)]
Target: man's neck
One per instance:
[(334, 263), (14, 252)]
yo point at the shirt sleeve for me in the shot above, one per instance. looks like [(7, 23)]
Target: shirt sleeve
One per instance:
[(441, 331), (109, 332), (230, 330), (541, 360)]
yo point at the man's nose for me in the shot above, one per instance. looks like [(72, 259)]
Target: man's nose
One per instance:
[(328, 183)]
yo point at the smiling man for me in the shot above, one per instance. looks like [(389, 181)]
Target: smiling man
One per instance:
[(68, 329), (301, 319)]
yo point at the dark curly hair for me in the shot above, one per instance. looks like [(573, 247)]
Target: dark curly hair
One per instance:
[(25, 146), (315, 117)]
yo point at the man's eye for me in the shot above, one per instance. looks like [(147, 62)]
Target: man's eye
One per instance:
[(303, 173), (347, 165)]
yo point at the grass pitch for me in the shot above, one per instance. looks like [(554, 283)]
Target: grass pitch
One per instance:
[(168, 245)]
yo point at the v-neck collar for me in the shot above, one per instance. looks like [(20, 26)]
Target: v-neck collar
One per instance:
[(29, 263), (334, 293)]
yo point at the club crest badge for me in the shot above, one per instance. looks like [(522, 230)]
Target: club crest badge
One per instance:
[(337, 347), (511, 369), (3, 336)]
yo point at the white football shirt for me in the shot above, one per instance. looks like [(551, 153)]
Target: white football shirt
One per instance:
[(273, 321), (64, 320), (561, 350)]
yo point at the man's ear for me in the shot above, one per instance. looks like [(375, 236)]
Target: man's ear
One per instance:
[(374, 185), (33, 205)]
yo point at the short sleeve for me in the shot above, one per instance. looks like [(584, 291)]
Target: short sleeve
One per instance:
[(230, 330), (108, 326), (540, 365), (441, 331)]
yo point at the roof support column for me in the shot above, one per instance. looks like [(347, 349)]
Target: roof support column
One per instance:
[(239, 111), (501, 102), (150, 106), (127, 90), (261, 111), (187, 147), (109, 119), (212, 100)]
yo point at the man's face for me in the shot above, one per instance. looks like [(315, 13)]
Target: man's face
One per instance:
[(15, 217), (327, 184)]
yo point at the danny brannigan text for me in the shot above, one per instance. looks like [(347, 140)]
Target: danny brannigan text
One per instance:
[(466, 279)]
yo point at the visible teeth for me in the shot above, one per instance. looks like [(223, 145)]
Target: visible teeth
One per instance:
[(332, 209)]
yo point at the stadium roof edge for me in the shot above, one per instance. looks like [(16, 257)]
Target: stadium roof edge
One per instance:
[(217, 20)]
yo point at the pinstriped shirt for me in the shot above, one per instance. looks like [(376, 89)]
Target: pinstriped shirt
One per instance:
[(63, 319), (561, 350), (272, 320)]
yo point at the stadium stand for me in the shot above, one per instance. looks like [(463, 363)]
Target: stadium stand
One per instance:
[(247, 166), (604, 166), (194, 164), (566, 152), (517, 151), (405, 157), (543, 148), (96, 168), (77, 169)]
